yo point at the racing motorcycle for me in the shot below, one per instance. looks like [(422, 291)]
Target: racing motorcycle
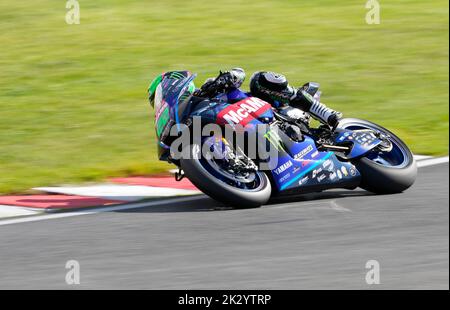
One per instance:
[(357, 153)]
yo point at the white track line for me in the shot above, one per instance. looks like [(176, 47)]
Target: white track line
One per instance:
[(118, 191), (13, 211), (129, 206), (432, 162), (421, 157)]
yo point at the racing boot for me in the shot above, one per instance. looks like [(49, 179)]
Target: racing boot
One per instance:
[(308, 103)]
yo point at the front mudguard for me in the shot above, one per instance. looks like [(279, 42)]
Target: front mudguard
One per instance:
[(379, 178), (360, 141)]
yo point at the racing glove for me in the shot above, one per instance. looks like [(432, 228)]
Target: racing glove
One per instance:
[(223, 82)]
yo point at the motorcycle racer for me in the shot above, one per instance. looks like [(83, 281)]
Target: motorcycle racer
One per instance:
[(352, 153), (275, 89), (269, 86)]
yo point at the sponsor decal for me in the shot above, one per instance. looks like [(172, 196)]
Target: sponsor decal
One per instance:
[(352, 171), (313, 155), (344, 170), (339, 173), (303, 164), (243, 112), (274, 139), (303, 152), (296, 169), (303, 180), (321, 177), (283, 167), (333, 176), (285, 177), (307, 170), (316, 172), (328, 164)]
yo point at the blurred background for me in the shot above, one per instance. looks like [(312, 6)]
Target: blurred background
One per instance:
[(73, 101)]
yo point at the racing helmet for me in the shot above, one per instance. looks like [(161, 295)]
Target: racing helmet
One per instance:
[(271, 87)]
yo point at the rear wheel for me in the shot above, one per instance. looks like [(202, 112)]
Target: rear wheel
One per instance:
[(387, 169), (225, 182)]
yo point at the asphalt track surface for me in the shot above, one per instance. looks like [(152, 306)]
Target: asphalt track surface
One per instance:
[(319, 241)]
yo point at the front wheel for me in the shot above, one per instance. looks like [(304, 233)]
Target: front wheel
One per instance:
[(225, 183), (384, 171)]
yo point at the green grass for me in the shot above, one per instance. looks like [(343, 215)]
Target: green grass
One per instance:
[(73, 103)]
